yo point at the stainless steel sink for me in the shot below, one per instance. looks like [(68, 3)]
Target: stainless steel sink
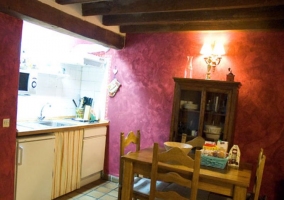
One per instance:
[(54, 123)]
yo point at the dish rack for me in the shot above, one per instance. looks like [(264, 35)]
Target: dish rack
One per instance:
[(212, 161)]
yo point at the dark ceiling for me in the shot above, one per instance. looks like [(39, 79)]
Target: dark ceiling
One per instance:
[(141, 16), (148, 16)]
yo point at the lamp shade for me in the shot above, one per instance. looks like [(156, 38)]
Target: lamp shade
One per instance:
[(206, 49), (218, 49)]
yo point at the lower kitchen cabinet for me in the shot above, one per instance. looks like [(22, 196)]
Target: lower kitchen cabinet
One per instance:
[(54, 164), (34, 166), (67, 162), (93, 154)]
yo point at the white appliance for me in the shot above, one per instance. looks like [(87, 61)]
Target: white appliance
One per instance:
[(27, 82), (34, 167), (93, 154)]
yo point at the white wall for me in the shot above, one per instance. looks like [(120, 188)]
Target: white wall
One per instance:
[(58, 83)]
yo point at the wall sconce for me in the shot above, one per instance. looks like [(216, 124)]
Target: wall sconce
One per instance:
[(213, 55)]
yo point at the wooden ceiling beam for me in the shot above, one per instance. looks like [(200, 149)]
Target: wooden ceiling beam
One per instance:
[(260, 13), (42, 14), (142, 6), (206, 26), (65, 2)]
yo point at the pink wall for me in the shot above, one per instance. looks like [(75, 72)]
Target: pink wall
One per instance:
[(148, 63), (10, 36)]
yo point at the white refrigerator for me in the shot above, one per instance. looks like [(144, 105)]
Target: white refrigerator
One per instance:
[(34, 167)]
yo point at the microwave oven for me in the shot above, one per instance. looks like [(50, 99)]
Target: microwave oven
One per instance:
[(27, 83)]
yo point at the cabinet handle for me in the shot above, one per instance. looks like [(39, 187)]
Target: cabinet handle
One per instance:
[(20, 155)]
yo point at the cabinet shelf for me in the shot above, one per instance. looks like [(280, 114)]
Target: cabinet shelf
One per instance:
[(214, 113), (220, 97), (188, 110)]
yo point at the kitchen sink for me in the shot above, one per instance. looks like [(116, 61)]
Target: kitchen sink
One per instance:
[(54, 123)]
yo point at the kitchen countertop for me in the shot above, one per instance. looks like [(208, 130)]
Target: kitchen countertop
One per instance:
[(26, 128)]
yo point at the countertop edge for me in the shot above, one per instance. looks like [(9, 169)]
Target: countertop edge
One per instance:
[(59, 129)]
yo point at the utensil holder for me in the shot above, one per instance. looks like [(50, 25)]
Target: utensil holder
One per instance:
[(80, 113)]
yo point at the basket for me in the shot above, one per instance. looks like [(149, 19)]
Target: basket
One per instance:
[(215, 162)]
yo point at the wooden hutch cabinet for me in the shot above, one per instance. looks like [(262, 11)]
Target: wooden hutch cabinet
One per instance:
[(212, 103)]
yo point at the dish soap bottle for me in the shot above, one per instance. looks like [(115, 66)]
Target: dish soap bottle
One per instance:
[(234, 156)]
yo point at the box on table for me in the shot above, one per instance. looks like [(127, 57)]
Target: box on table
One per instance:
[(215, 155), (212, 161)]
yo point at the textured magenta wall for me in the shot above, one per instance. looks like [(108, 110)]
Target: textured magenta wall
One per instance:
[(10, 38), (148, 63)]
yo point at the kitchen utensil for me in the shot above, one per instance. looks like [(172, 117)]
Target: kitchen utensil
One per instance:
[(81, 103), (86, 99), (90, 101), (74, 103)]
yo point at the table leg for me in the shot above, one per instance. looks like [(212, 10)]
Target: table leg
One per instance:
[(127, 182), (240, 193)]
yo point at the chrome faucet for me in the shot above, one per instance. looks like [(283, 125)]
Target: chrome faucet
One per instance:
[(40, 118)]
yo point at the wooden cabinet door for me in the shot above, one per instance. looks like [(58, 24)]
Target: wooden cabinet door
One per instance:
[(203, 102), (93, 155)]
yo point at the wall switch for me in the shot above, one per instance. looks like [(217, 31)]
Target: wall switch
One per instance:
[(6, 122)]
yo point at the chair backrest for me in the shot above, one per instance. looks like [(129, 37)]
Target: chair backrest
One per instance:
[(125, 141), (131, 138), (197, 142), (259, 173), (165, 166)]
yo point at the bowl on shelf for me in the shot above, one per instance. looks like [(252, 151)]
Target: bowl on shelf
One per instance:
[(184, 147), (212, 136), (190, 106), (213, 129)]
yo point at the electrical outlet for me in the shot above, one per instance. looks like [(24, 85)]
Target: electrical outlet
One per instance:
[(6, 122)]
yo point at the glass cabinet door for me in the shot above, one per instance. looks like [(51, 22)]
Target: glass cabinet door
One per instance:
[(215, 115), (189, 113)]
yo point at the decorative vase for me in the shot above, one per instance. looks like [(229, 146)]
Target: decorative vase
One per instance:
[(189, 67)]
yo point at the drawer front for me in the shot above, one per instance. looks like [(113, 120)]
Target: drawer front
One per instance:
[(97, 131)]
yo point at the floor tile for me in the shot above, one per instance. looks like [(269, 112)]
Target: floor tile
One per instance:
[(85, 197), (108, 197), (103, 189), (98, 190), (96, 194)]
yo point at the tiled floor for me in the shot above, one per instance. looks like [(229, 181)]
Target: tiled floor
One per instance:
[(99, 190), (107, 190)]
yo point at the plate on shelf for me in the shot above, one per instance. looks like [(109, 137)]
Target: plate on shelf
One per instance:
[(191, 106)]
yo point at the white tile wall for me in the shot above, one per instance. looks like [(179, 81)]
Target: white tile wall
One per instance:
[(59, 90)]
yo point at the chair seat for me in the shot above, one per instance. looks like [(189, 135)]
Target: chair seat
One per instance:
[(142, 186), (185, 192)]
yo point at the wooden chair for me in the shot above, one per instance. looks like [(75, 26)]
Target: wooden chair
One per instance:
[(258, 177), (181, 187), (254, 195), (197, 142), (125, 141)]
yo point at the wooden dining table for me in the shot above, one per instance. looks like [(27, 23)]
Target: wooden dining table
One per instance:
[(229, 181)]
